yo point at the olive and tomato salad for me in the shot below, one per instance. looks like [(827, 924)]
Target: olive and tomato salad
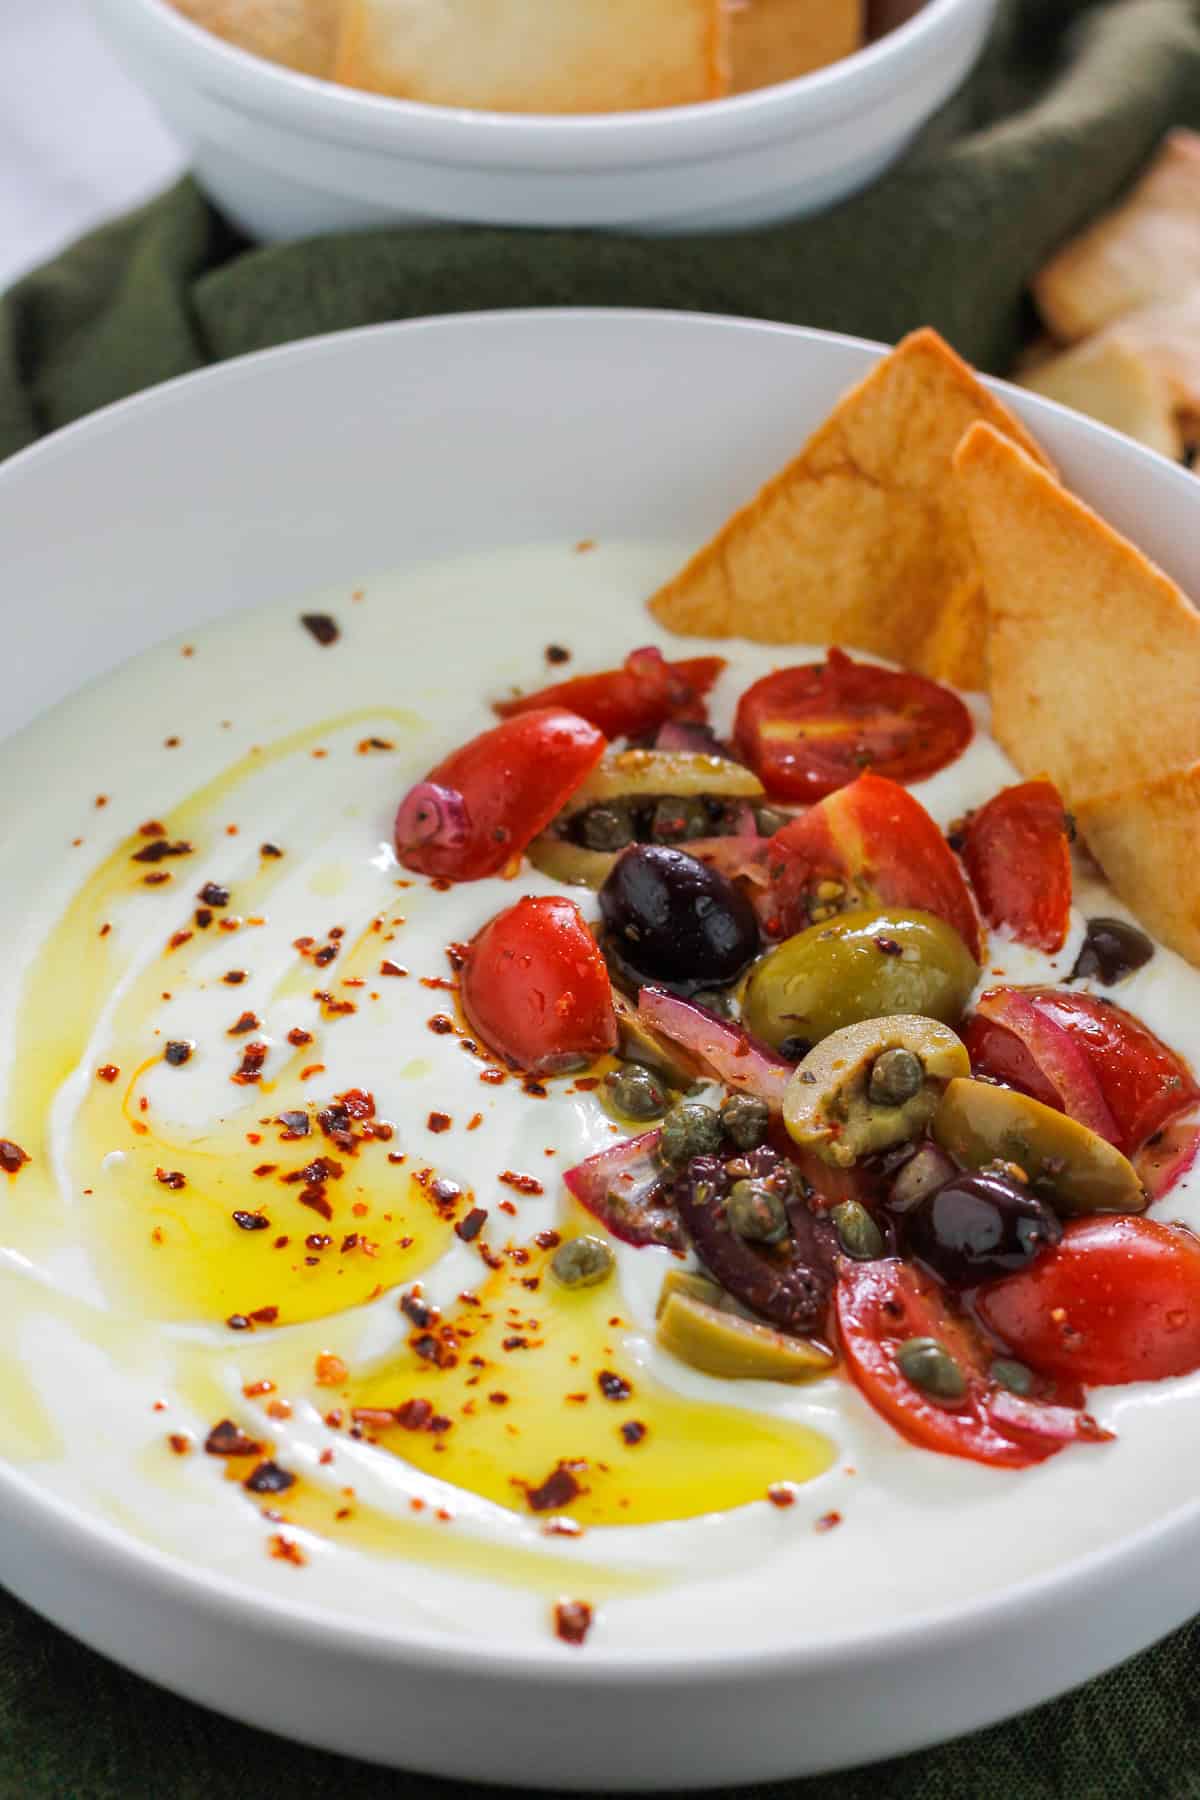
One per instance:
[(854, 1152)]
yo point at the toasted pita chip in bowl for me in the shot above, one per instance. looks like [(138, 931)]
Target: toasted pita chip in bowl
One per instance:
[(301, 34), (1145, 837), (776, 40), (1118, 384)]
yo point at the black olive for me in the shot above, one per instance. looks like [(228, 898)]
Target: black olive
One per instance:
[(672, 919), (976, 1227), (1111, 950)]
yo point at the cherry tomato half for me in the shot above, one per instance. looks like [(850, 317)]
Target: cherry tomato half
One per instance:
[(879, 1306), (809, 730), (1118, 1300), (633, 700), (1018, 856), (1143, 1083), (481, 806), (535, 987), (874, 837)]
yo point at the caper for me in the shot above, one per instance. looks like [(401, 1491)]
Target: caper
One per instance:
[(582, 1262), (607, 827), (636, 1092), (735, 1348), (745, 1120), (1012, 1375), (896, 1076), (857, 1231), (678, 820), (689, 1129), (756, 1211), (930, 1367)]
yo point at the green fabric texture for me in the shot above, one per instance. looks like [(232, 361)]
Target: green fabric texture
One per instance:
[(1069, 101)]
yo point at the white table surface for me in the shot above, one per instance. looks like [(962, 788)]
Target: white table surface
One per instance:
[(78, 142)]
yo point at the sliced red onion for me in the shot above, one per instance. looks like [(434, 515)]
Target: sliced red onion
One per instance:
[(625, 1188), (695, 739), (1064, 1065), (429, 814), (726, 1050), (740, 856), (1032, 1422)]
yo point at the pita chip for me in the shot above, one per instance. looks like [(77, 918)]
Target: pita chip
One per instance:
[(537, 56), (862, 539), (1146, 838), (1093, 653), (300, 34), (775, 40), (1115, 382), (1145, 250)]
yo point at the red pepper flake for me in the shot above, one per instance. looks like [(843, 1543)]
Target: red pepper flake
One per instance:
[(283, 1549), (172, 743), (416, 1310), (178, 1051), (493, 1077), (202, 917), (239, 1321), (107, 1072), (269, 1478), (390, 968), (558, 653), (311, 1069), (227, 1439), (781, 1494), (269, 850), (573, 1621), (280, 1409), (104, 930), (251, 1221), (439, 1121), (322, 626), (325, 955), (160, 848), (234, 977), (180, 1443), (297, 1037), (314, 1198), (330, 1370), (265, 1315), (157, 879), (559, 1488), (498, 1398), (171, 1178), (633, 1431), (253, 1389), (249, 1069), (413, 1415), (548, 1240), (468, 1229), (536, 1090), (524, 1184), (295, 1124), (12, 1157), (248, 1021), (506, 1206), (562, 1528), (827, 1521), (613, 1387), (374, 743), (101, 800), (441, 1024), (152, 829), (177, 939)]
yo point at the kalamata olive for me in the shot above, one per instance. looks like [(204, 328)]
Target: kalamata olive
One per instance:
[(863, 964), (1111, 950), (977, 1227), (673, 920), (788, 1284)]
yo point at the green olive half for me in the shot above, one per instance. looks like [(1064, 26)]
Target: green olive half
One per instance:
[(864, 964), (718, 1342), (836, 1103), (640, 774), (1072, 1168)]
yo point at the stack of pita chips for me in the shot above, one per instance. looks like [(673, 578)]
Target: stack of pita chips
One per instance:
[(1125, 298), (921, 522), (542, 56)]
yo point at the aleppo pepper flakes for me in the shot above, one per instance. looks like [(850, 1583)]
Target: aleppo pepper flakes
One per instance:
[(573, 1621), (160, 848), (171, 1178), (468, 1229), (269, 1478), (228, 1439), (213, 894), (249, 1070), (560, 1487), (178, 1051), (283, 1549), (322, 626), (613, 1387), (12, 1157), (248, 1221)]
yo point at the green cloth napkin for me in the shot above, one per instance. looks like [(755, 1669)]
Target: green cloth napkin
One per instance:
[(1069, 101)]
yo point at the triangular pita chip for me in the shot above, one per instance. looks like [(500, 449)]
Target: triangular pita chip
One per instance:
[(1115, 382), (540, 56), (1146, 249), (1146, 838), (775, 40), (1093, 653), (301, 34), (862, 540)]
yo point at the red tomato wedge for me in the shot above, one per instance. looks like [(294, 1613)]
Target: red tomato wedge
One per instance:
[(481, 806), (1018, 856), (809, 730), (535, 987), (1142, 1083), (875, 838), (879, 1305), (633, 700), (1118, 1300)]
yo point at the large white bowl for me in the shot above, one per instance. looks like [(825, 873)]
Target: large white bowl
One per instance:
[(286, 156), (316, 463)]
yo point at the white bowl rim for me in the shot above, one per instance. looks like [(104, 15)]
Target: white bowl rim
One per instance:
[(707, 128), (1033, 1598)]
